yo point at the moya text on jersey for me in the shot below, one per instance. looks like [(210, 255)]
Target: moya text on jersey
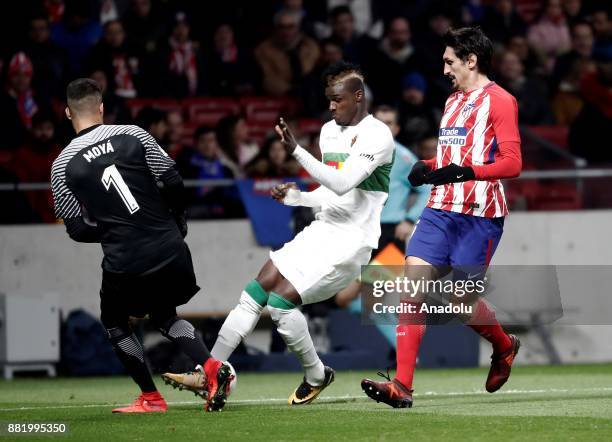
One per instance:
[(96, 151)]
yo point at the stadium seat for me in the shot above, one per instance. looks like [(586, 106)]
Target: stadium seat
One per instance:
[(554, 134), (268, 109), (165, 104), (259, 131), (208, 111)]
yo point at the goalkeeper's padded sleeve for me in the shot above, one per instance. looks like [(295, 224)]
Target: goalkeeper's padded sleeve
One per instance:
[(173, 190), (80, 231), (338, 181)]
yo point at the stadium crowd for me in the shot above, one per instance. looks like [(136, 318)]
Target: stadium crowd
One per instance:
[(195, 76)]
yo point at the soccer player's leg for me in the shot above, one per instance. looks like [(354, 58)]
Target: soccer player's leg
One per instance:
[(477, 241), (239, 323), (291, 325), (130, 353), (427, 251)]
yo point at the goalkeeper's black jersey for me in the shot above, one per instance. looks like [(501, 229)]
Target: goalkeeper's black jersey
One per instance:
[(109, 173)]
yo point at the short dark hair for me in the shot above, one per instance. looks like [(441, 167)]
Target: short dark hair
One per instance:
[(148, 116), (471, 40), (203, 130), (338, 11), (83, 95), (341, 70)]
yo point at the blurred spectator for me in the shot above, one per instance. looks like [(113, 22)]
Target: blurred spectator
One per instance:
[(19, 103), (112, 9), (595, 118), (427, 147), (55, 9), (153, 120), (76, 33), (115, 110), (272, 162), (354, 46), (236, 147), (144, 26), (174, 135), (287, 56), (582, 49), (399, 217), (117, 60), (530, 92), (417, 116), (533, 63), (574, 12), (32, 163), (230, 70), (49, 61), (568, 101), (204, 161), (550, 35), (501, 21), (393, 59), (431, 47), (182, 61), (315, 102), (602, 28)]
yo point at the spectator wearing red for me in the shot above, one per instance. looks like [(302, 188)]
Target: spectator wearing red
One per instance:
[(119, 62), (182, 60), (32, 161), (174, 135), (230, 70)]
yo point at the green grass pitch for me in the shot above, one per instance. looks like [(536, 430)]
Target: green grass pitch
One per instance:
[(538, 403)]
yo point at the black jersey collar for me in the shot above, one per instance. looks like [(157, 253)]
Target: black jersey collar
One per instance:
[(89, 129)]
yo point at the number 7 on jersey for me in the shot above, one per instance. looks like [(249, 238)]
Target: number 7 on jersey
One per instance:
[(111, 176)]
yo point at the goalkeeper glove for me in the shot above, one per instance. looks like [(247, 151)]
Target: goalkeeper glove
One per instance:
[(418, 174), (450, 174)]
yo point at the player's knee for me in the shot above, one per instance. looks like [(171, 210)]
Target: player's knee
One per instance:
[(164, 325), (269, 276), (117, 334)]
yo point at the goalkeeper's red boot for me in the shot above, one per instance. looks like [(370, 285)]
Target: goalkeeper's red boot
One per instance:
[(501, 364), (392, 392), (145, 403), (218, 379)]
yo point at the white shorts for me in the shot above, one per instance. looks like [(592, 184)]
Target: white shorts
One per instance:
[(321, 260)]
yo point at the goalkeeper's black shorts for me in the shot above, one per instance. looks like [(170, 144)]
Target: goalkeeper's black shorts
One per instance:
[(124, 294)]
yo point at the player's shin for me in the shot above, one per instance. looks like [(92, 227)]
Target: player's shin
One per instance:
[(241, 321), (183, 334), (484, 322), (409, 332), (291, 325), (131, 354)]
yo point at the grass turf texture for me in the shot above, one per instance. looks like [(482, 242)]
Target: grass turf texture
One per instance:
[(543, 403)]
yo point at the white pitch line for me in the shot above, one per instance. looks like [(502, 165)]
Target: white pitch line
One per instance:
[(331, 398)]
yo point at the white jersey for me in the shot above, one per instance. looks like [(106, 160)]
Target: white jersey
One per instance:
[(369, 145)]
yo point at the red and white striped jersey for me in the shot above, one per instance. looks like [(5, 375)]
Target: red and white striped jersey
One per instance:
[(472, 127)]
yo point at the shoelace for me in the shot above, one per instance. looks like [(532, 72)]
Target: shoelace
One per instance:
[(386, 376)]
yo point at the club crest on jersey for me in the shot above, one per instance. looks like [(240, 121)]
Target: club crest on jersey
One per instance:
[(452, 136), (98, 150), (467, 110)]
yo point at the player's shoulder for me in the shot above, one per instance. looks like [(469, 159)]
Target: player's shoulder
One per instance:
[(378, 130), (498, 94)]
